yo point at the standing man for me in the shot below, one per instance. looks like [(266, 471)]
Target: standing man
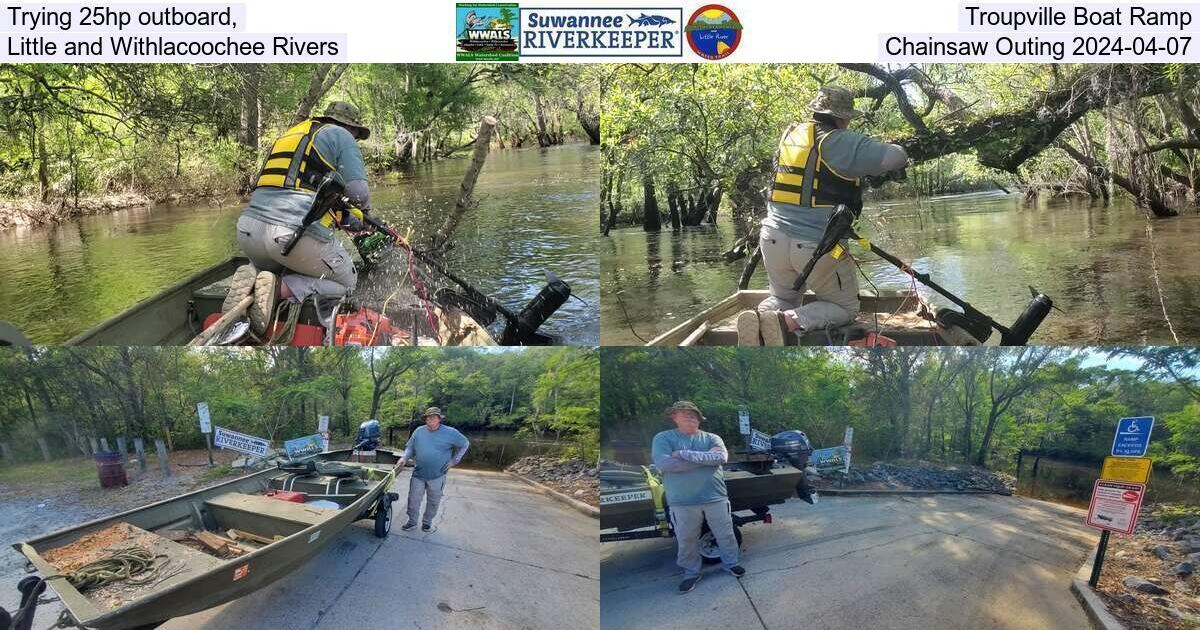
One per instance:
[(690, 460), (283, 193), (818, 165), (436, 448)]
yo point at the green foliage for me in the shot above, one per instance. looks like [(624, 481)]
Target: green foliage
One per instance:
[(70, 395), (76, 130), (907, 403)]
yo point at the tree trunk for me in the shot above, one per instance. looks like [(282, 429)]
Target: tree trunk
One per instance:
[(323, 79), (483, 140), (651, 219), (251, 122)]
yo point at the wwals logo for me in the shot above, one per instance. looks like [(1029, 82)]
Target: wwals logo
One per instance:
[(486, 31)]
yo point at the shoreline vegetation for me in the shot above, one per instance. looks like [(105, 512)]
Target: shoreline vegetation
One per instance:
[(704, 153), (87, 139)]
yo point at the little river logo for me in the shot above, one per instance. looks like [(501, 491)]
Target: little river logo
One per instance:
[(486, 31), (713, 32), (601, 32)]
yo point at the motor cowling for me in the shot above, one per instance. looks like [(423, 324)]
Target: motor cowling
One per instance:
[(368, 436), (1029, 320), (793, 446)]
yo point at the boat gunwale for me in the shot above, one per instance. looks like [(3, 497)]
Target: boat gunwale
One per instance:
[(58, 582)]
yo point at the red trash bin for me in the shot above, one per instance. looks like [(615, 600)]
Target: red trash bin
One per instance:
[(111, 467)]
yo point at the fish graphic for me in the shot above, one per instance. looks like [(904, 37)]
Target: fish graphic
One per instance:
[(650, 20)]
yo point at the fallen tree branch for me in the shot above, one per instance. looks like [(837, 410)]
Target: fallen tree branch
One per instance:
[(1142, 196)]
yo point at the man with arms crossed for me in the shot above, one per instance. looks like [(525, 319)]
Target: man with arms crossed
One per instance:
[(690, 461), (437, 448)]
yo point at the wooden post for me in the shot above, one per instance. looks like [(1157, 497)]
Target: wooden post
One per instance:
[(208, 445), (45, 448), (95, 444), (6, 452), (487, 125), (163, 463), (121, 446), (139, 445), (104, 445)]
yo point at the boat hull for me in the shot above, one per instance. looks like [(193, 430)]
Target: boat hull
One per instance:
[(228, 579), (175, 315)]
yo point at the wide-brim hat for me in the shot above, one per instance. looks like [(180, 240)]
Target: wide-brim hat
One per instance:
[(835, 101), (433, 411), (684, 405), (348, 115)]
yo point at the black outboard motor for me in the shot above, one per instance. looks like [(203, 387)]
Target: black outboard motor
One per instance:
[(1028, 322), (31, 587), (523, 332), (368, 436), (795, 448)]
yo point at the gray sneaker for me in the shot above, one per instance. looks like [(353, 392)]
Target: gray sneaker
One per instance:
[(736, 570), (407, 526), (688, 584), (748, 329)]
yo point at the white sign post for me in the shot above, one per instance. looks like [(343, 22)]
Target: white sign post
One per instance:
[(744, 421), (205, 428), (846, 442), (323, 429)]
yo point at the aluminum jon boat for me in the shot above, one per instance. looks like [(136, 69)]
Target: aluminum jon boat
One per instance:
[(222, 542)]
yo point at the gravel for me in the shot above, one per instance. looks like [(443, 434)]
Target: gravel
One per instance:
[(575, 478), (920, 476)]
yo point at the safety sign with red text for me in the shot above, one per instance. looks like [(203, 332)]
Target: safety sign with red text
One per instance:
[(1115, 505)]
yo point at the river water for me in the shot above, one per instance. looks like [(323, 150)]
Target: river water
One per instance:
[(495, 449), (1098, 263), (1071, 483), (535, 214)]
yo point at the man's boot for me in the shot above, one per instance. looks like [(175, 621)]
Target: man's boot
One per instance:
[(241, 287), (747, 329), (266, 296), (772, 328)]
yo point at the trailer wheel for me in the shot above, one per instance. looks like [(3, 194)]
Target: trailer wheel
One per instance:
[(710, 553), (383, 516)]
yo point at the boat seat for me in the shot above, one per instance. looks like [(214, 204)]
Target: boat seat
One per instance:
[(236, 507)]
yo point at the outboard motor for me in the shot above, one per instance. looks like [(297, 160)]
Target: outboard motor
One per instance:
[(1028, 322), (795, 448), (524, 331), (368, 436)]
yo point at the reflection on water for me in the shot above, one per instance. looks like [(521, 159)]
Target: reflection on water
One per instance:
[(1071, 483), (535, 214), (1096, 262)]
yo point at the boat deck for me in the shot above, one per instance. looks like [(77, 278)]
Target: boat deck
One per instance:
[(899, 315)]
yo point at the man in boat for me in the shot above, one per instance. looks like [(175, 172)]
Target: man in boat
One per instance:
[(690, 461), (283, 194), (818, 165), (437, 448)]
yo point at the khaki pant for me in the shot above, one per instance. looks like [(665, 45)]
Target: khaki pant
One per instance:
[(319, 268), (431, 490), (688, 520), (834, 282)]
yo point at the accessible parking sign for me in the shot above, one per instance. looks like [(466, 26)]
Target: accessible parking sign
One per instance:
[(1132, 437)]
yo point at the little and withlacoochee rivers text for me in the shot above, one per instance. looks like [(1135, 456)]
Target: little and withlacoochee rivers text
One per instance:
[(151, 33), (1040, 33)]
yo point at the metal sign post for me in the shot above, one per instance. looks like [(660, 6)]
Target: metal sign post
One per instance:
[(205, 428), (1118, 494)]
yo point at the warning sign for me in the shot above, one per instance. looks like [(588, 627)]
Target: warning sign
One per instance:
[(1127, 469), (1115, 505)]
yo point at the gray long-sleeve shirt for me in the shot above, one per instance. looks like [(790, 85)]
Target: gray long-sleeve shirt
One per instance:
[(691, 468), (435, 451)]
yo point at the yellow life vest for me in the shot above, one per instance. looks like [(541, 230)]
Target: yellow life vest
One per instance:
[(802, 178), (294, 161)]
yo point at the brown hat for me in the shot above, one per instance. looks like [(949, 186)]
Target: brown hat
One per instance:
[(684, 405), (836, 101), (433, 411)]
